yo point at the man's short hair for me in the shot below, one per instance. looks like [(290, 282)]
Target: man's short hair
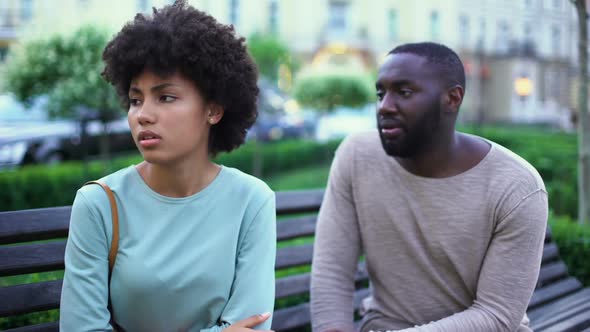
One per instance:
[(445, 59)]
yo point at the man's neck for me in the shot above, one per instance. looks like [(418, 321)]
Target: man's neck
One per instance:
[(449, 156)]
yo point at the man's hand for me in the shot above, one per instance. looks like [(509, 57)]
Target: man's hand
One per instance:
[(246, 325)]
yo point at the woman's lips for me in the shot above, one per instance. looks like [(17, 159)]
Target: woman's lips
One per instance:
[(148, 139), (149, 142)]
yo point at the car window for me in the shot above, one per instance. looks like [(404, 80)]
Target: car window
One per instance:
[(12, 111)]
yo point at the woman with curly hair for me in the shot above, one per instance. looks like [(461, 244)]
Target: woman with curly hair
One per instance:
[(197, 243)]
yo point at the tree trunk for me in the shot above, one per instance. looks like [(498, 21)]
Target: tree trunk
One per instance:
[(105, 147), (583, 118)]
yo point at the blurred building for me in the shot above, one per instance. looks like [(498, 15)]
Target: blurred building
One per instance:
[(519, 55)]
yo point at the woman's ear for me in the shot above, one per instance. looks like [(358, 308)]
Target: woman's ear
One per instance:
[(214, 113)]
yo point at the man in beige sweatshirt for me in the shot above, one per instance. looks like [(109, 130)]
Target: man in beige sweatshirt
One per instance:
[(451, 225)]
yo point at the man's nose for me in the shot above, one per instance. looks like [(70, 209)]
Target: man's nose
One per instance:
[(387, 105)]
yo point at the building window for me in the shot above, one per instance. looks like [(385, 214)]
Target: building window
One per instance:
[(338, 18), (528, 33), (434, 25), (481, 39), (556, 39), (557, 4), (503, 36), (142, 5), (26, 9), (464, 30), (392, 23), (274, 16), (234, 10)]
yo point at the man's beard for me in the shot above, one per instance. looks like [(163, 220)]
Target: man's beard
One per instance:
[(414, 140)]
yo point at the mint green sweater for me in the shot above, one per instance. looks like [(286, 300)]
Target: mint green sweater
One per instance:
[(197, 263)]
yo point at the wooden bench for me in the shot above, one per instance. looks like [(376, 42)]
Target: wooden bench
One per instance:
[(559, 303)]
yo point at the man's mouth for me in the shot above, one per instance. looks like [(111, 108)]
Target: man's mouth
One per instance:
[(390, 128)]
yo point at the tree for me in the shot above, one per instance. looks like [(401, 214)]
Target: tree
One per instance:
[(583, 117), (65, 69), (328, 89), (269, 53)]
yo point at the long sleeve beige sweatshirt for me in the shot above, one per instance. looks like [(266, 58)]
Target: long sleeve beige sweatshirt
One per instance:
[(452, 254)]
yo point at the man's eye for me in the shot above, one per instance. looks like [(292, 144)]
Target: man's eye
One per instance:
[(380, 95), (406, 93)]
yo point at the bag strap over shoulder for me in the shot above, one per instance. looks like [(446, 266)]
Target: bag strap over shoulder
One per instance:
[(115, 219)]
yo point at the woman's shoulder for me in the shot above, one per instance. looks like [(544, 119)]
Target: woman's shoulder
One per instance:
[(247, 183), (115, 181)]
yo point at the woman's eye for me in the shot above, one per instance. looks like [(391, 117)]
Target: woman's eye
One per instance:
[(134, 102), (167, 99)]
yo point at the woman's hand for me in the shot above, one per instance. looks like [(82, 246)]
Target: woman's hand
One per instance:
[(246, 325)]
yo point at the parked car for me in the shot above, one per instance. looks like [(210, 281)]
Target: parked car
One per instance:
[(279, 116), (344, 121), (28, 136)]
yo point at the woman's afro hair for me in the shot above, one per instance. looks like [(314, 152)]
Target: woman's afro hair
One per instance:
[(180, 38)]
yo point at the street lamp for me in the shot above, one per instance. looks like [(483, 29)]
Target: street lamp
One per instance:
[(523, 87)]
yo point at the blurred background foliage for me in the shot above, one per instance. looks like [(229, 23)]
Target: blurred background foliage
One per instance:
[(66, 70)]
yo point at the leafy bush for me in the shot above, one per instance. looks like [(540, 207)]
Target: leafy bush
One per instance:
[(573, 241), (326, 90)]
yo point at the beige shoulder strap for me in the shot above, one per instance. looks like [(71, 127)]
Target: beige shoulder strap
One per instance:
[(115, 218)]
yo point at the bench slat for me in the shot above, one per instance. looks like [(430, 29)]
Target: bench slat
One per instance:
[(300, 283), (564, 303), (298, 201), (34, 225), (577, 322), (45, 327), (551, 272), (27, 298), (299, 315), (50, 257), (32, 258), (550, 253), (41, 296), (295, 227), (554, 291), (294, 256)]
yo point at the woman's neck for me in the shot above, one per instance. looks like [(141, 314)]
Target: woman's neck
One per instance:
[(179, 179)]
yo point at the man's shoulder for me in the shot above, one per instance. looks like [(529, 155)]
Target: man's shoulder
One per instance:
[(514, 168), (366, 142)]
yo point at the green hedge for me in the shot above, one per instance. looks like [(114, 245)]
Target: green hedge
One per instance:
[(553, 154), (573, 241), (46, 186)]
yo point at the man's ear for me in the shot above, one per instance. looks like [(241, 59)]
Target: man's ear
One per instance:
[(453, 99), (214, 113)]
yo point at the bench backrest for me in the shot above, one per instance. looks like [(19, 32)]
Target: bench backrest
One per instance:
[(297, 213)]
